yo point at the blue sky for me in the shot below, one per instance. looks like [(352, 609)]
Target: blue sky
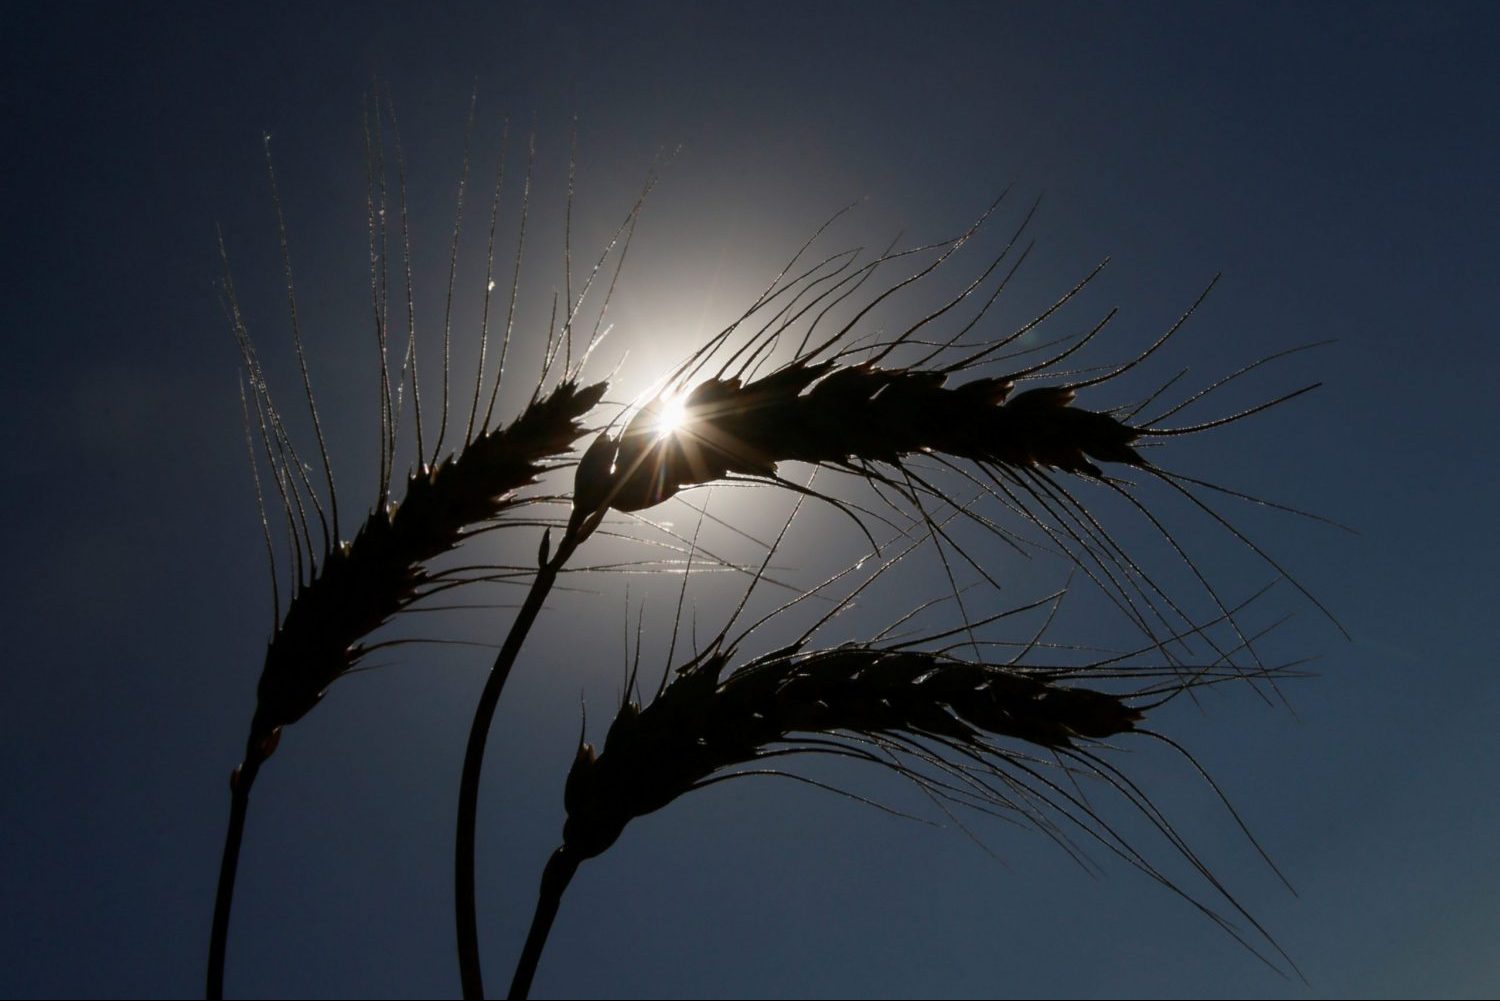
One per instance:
[(1337, 163)]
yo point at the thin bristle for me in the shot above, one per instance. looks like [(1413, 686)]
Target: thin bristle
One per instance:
[(458, 219), (515, 282), (409, 360), (376, 236), (291, 302), (260, 505), (489, 282)]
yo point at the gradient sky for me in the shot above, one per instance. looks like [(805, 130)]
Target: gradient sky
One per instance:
[(1337, 163)]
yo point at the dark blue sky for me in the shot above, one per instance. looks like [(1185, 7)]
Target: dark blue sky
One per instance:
[(1337, 163)]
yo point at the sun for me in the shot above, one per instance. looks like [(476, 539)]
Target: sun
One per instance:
[(671, 415)]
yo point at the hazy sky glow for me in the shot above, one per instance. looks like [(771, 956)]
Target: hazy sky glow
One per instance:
[(1337, 164)]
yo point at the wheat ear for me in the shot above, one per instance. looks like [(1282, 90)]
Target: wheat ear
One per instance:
[(342, 591), (873, 421), (847, 416), (362, 584), (911, 711)]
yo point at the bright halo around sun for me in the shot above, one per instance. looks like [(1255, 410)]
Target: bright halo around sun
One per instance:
[(671, 415)]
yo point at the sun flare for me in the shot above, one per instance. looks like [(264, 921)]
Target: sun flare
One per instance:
[(671, 415)]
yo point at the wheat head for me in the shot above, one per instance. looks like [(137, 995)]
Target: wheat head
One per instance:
[(343, 591), (361, 584), (959, 729), (703, 723), (850, 416)]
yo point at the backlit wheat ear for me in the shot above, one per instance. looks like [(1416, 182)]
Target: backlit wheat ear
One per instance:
[(359, 586), (847, 416), (895, 425), (341, 592), (702, 723), (958, 729)]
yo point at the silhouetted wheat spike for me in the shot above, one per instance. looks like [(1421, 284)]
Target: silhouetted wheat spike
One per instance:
[(701, 724), (850, 416), (362, 584), (359, 586), (342, 591), (927, 716)]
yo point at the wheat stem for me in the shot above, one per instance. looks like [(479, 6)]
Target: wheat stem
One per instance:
[(465, 917), (239, 805), (556, 876)]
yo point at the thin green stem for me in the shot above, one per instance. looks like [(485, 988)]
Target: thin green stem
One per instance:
[(555, 879), (468, 790)]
